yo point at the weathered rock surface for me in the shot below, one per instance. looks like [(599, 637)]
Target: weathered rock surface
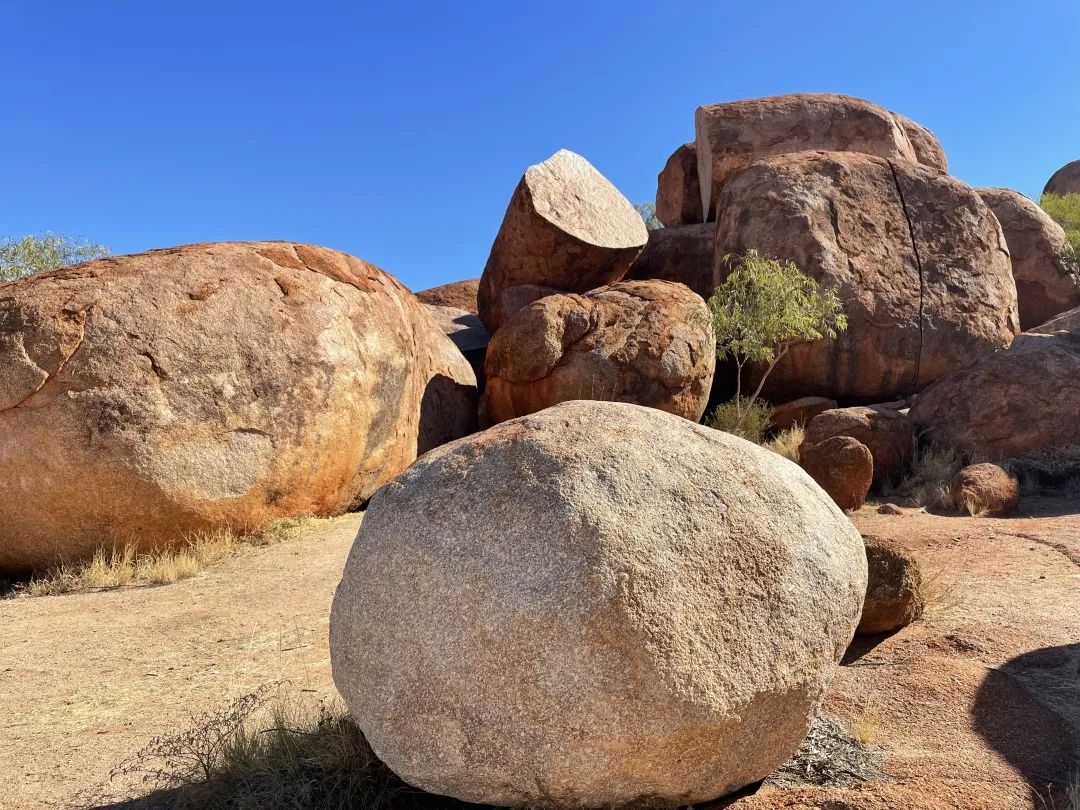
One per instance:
[(1065, 180), (734, 135), (591, 625), (894, 588), (887, 433), (1018, 401), (145, 397), (683, 254), (1046, 283), (678, 194), (467, 332), (843, 467), (799, 411), (917, 257), (928, 150), (646, 342), (566, 227), (456, 294), (1065, 322), (985, 489)]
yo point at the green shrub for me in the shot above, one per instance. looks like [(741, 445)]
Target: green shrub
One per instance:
[(35, 254), (1065, 210)]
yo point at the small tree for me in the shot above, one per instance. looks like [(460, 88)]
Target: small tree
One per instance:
[(648, 213), (34, 254), (764, 307)]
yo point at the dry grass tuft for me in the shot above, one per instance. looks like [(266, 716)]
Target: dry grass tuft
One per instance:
[(267, 751), (927, 481), (122, 566), (1066, 797), (754, 424), (939, 591), (787, 442), (829, 756)]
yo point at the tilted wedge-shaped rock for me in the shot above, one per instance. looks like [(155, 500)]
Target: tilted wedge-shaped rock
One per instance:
[(646, 342), (566, 228), (678, 193), (1046, 281), (917, 257), (222, 385), (621, 608)]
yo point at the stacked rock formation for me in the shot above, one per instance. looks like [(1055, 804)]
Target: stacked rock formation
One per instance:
[(146, 397), (609, 615)]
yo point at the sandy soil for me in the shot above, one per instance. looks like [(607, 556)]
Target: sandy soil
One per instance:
[(977, 706)]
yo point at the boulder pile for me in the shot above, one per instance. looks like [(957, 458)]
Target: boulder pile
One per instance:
[(146, 397), (590, 626)]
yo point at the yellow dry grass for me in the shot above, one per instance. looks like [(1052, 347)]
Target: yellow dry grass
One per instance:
[(120, 566), (787, 442)]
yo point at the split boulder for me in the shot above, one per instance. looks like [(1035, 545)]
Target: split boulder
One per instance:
[(623, 606)]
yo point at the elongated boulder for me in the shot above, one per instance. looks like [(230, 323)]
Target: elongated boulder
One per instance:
[(456, 294), (1065, 180), (1008, 404), (566, 227), (678, 193), (734, 135), (623, 606), (683, 254), (928, 150), (646, 342), (917, 258), (888, 433), (1046, 281), (798, 412), (146, 397)]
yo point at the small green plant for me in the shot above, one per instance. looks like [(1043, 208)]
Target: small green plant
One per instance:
[(37, 253), (648, 214), (745, 421), (763, 308), (1065, 210)]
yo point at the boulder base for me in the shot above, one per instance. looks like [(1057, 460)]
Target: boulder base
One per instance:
[(610, 614)]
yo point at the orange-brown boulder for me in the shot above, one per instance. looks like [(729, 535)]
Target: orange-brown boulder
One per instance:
[(928, 150), (221, 385), (456, 294), (678, 194), (566, 227), (893, 590), (886, 432), (645, 342), (1008, 404), (843, 467), (798, 412), (1046, 280), (1065, 180), (985, 489), (917, 257), (683, 254), (734, 135), (512, 299)]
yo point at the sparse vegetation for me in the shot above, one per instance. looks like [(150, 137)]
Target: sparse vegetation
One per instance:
[(747, 422), (927, 482), (37, 253), (938, 590), (648, 214), (267, 751), (787, 442), (126, 566), (763, 308), (829, 756), (1065, 210), (1045, 468)]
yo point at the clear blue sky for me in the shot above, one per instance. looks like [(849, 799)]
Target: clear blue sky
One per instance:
[(397, 131)]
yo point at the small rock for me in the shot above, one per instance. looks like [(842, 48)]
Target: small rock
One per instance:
[(889, 509), (843, 467), (893, 590)]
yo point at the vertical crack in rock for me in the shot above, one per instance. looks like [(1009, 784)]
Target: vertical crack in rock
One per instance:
[(918, 266)]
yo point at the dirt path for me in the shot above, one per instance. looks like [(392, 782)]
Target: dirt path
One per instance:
[(86, 679), (976, 707)]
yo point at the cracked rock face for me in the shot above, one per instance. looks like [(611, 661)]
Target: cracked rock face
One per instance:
[(622, 606), (731, 136), (1046, 283), (566, 227), (145, 397), (645, 342), (1010, 403), (917, 257)]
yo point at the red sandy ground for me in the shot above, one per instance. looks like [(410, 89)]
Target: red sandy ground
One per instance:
[(974, 707)]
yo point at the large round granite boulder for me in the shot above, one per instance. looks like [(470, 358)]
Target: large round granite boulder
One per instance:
[(645, 342), (223, 385), (622, 606), (916, 256)]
